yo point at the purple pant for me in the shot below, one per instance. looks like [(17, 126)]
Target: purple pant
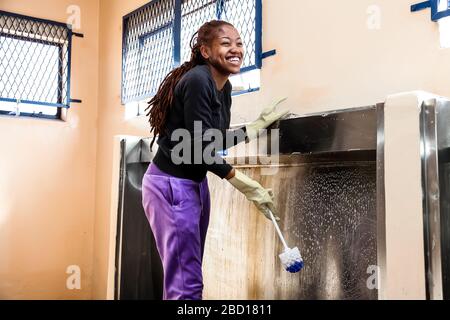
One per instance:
[(178, 212)]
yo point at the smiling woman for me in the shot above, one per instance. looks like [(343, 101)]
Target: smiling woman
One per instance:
[(193, 101), (225, 54)]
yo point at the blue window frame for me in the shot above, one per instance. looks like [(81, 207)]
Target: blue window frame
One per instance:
[(156, 39), (35, 65), (439, 8)]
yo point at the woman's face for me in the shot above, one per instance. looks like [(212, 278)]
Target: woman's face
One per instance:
[(226, 51)]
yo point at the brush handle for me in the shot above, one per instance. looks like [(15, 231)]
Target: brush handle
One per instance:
[(278, 230)]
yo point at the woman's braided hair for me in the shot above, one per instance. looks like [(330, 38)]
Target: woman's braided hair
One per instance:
[(159, 105)]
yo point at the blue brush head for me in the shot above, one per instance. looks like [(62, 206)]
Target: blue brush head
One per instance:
[(295, 267), (291, 260)]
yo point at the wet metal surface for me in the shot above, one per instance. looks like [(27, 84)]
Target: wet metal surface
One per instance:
[(343, 130), (328, 210), (435, 139), (443, 141)]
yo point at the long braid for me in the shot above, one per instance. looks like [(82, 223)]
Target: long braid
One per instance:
[(159, 105), (162, 101)]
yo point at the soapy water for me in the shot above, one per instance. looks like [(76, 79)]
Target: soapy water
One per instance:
[(330, 214), (327, 210)]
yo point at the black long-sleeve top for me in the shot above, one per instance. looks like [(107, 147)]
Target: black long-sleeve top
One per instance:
[(196, 98)]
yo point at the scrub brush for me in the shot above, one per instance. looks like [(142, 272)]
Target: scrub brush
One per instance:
[(290, 259)]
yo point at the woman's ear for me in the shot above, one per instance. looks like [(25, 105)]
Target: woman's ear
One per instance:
[(204, 51)]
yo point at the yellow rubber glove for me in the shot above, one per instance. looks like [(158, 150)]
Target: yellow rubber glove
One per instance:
[(265, 119), (254, 192)]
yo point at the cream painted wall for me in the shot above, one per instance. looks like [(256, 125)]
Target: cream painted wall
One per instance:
[(47, 176), (327, 58)]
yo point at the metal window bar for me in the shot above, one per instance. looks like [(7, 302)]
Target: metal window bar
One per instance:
[(35, 60), (435, 5), (156, 38), (147, 49)]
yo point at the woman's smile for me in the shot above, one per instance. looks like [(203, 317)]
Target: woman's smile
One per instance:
[(226, 51)]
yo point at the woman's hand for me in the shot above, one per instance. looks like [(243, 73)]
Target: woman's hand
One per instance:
[(265, 119), (262, 198), (230, 174)]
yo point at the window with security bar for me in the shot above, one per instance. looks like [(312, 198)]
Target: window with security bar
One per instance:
[(34, 66), (440, 12), (444, 23), (156, 39)]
